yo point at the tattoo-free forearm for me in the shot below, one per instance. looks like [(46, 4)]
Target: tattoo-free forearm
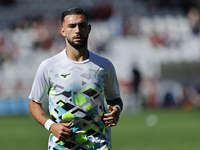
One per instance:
[(37, 112)]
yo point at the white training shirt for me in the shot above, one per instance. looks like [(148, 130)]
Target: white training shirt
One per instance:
[(77, 91)]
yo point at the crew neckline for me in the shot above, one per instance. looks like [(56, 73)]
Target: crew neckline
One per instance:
[(78, 62)]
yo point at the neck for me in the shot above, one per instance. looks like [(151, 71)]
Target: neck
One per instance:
[(77, 55)]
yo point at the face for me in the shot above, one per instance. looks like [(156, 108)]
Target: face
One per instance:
[(75, 29)]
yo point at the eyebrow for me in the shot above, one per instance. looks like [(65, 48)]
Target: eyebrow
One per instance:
[(81, 22)]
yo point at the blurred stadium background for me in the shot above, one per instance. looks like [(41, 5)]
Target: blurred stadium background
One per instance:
[(153, 44)]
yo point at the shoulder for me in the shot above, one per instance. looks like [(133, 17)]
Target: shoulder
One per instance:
[(101, 61), (48, 63)]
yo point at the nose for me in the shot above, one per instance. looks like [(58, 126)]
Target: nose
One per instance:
[(77, 29)]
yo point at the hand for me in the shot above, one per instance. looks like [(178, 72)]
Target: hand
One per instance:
[(61, 130), (112, 118)]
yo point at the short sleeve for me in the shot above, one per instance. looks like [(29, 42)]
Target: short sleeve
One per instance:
[(40, 85), (112, 86)]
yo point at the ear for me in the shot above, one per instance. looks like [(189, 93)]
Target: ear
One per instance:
[(62, 31), (89, 28)]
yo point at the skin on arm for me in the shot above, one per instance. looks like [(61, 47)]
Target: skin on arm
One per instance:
[(112, 117), (60, 130)]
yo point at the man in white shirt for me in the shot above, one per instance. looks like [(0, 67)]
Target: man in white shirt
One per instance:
[(77, 81)]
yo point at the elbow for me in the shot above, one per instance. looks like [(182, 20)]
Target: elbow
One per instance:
[(30, 106)]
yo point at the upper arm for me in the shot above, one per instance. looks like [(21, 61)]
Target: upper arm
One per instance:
[(34, 106), (111, 85)]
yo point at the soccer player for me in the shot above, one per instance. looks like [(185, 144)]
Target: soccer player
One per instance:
[(76, 81)]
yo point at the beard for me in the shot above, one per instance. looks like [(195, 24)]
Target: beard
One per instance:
[(78, 45)]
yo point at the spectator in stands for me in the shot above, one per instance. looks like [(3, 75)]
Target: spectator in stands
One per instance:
[(116, 21), (43, 34), (8, 49), (194, 20), (157, 39), (2, 49), (131, 25)]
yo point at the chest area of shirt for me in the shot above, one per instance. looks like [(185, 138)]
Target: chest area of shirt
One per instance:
[(78, 78)]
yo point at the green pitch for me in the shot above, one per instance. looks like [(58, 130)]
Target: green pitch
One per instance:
[(148, 130), (170, 130)]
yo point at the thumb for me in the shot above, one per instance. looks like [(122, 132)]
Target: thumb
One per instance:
[(67, 124), (109, 108)]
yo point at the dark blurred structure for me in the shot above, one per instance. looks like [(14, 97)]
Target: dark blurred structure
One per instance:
[(136, 79), (7, 2), (173, 5)]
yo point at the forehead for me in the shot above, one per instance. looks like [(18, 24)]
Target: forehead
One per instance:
[(75, 18)]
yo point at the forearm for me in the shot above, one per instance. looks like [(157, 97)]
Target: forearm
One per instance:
[(37, 112), (60, 130)]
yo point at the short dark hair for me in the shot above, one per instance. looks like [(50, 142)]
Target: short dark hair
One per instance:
[(73, 11)]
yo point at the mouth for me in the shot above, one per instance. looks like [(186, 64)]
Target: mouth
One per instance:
[(78, 38)]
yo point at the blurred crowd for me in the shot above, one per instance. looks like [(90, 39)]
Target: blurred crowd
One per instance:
[(40, 35), (43, 32)]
